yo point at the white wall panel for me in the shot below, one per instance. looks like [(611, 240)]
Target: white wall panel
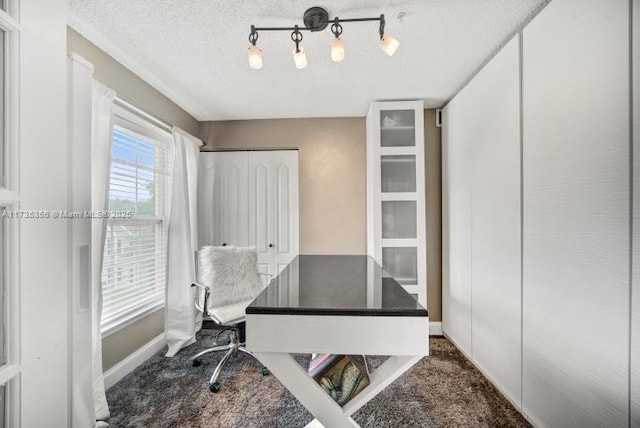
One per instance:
[(494, 133), (635, 326), (456, 234), (43, 277), (576, 214)]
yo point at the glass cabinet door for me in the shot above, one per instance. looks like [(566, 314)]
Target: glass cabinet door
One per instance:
[(401, 263), (398, 173), (397, 128), (399, 220)]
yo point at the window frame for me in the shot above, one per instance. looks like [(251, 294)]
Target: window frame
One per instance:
[(141, 128), (10, 199), (11, 27)]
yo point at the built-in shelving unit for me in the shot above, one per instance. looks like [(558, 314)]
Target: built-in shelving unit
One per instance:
[(396, 232)]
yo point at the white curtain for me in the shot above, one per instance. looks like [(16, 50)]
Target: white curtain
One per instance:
[(102, 124), (182, 320)]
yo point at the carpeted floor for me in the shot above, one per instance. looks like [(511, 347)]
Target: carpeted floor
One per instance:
[(442, 390)]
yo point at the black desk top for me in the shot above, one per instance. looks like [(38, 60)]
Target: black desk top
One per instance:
[(335, 285)]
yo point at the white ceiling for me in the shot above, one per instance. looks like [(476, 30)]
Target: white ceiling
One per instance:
[(195, 52)]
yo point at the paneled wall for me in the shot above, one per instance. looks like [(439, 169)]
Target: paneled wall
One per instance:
[(635, 327), (576, 214), (495, 224), (541, 141), (483, 192)]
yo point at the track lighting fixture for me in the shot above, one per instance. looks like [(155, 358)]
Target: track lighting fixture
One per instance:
[(255, 53), (337, 45), (317, 19), (299, 57)]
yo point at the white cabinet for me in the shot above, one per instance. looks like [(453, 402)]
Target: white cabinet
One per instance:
[(396, 228), (250, 198), (481, 235), (546, 266), (576, 219)]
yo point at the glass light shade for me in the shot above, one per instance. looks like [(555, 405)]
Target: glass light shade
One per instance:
[(337, 50), (389, 45), (255, 57), (300, 58)]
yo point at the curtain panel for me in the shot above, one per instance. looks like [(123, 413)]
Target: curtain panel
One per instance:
[(102, 125), (182, 320)]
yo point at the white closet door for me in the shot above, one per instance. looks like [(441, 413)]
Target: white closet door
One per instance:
[(456, 236), (285, 198), (223, 211), (493, 129), (273, 207), (576, 215), (635, 325), (260, 208)]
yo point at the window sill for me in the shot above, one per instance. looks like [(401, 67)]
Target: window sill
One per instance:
[(115, 326)]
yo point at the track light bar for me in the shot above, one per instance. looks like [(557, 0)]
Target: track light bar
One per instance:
[(317, 19)]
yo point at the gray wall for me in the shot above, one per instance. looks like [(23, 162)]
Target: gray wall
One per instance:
[(129, 86), (119, 345), (332, 162)]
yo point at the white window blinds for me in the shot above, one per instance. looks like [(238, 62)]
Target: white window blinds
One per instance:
[(135, 251)]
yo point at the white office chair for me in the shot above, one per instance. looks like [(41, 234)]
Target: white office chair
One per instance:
[(228, 280)]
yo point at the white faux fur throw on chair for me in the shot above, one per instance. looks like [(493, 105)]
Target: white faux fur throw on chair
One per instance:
[(231, 273)]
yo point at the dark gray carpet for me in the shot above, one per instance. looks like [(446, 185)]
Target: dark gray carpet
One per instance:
[(442, 390)]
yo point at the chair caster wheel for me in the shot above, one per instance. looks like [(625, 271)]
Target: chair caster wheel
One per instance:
[(197, 363), (214, 387), (265, 371)]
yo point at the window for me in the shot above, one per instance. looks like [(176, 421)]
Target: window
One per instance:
[(135, 250), (2, 103)]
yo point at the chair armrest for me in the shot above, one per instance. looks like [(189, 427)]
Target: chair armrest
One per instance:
[(202, 308), (197, 284), (265, 274)]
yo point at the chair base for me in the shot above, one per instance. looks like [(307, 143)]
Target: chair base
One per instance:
[(232, 349)]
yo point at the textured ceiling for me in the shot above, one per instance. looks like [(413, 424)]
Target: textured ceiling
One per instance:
[(195, 52)]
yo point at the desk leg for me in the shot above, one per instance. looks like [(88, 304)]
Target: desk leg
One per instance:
[(314, 424), (379, 379), (327, 412)]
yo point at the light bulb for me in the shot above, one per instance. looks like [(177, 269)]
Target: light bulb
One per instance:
[(337, 50), (389, 45), (300, 58), (255, 57)]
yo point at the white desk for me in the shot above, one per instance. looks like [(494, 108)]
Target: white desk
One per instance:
[(336, 305)]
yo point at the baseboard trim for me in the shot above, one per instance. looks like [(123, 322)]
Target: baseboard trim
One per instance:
[(435, 328), (129, 364)]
